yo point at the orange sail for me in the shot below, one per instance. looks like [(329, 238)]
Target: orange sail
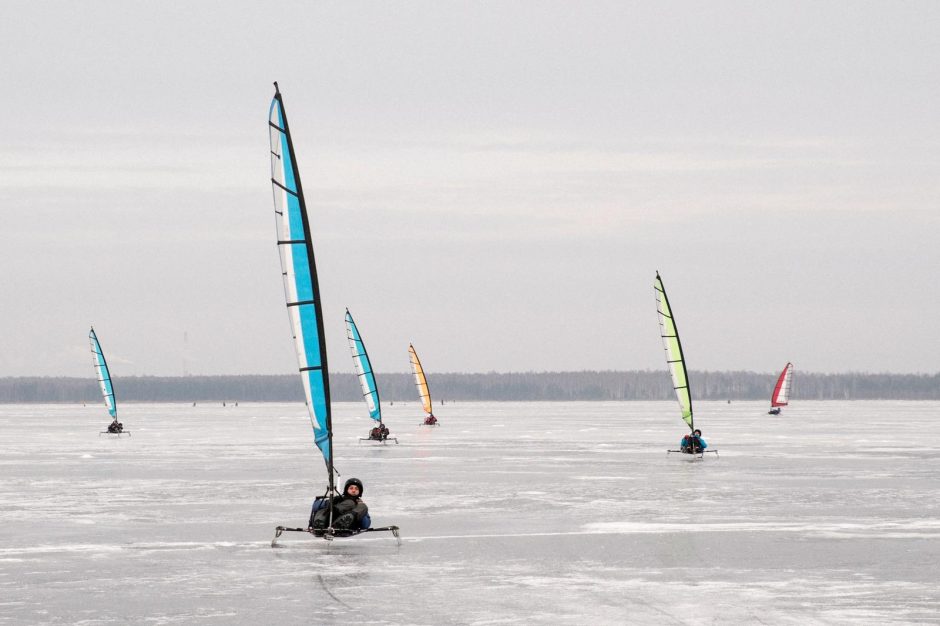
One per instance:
[(421, 382)]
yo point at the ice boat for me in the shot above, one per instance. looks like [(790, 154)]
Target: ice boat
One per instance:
[(107, 388), (424, 392), (304, 308), (781, 395), (370, 390), (676, 362)]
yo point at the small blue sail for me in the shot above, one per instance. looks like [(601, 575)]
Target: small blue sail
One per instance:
[(104, 376), (299, 272), (370, 392)]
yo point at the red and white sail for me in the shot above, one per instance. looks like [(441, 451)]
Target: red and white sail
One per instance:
[(781, 395)]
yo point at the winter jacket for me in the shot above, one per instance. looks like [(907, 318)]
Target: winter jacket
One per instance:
[(688, 440), (344, 504)]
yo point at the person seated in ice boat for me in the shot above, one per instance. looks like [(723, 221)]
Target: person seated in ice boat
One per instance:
[(349, 511), (379, 433), (693, 443), (774, 411), (430, 420), (116, 427)]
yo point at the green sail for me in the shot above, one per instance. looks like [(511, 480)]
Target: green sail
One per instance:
[(674, 356)]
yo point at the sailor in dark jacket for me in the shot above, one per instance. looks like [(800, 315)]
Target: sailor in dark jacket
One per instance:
[(349, 511)]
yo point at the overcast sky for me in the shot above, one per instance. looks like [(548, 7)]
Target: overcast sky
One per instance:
[(495, 182)]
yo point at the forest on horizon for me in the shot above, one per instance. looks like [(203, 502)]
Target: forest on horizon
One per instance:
[(523, 386)]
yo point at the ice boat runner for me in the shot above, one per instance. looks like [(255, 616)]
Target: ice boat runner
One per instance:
[(421, 382), (692, 444), (370, 391), (107, 389), (781, 395), (302, 291)]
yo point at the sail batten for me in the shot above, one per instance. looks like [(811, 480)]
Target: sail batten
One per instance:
[(674, 356), (781, 394), (421, 381), (104, 374), (370, 391), (299, 273)]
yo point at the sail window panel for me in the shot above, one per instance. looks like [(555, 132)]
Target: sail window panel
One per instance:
[(280, 206), (277, 161), (290, 283)]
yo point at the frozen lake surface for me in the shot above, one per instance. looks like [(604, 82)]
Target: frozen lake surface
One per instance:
[(551, 513)]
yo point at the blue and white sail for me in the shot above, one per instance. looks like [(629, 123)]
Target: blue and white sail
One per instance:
[(370, 391), (299, 271), (104, 375)]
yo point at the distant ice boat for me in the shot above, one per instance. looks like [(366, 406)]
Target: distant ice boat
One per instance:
[(781, 395), (107, 389), (370, 390), (421, 382), (302, 292), (676, 362)]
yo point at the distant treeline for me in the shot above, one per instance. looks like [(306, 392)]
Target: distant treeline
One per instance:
[(633, 385)]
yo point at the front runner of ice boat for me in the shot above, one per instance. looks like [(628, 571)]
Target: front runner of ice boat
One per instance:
[(107, 389), (370, 391), (680, 376), (781, 395), (302, 291), (421, 382)]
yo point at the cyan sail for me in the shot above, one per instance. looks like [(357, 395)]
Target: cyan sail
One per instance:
[(300, 278), (104, 375), (674, 356), (370, 392)]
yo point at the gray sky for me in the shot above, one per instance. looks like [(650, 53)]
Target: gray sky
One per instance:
[(495, 182)]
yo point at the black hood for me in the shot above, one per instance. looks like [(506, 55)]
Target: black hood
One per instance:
[(353, 481)]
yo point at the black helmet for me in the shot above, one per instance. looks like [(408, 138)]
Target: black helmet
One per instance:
[(697, 432), (353, 481)]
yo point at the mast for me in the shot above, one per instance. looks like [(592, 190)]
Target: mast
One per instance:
[(370, 390), (104, 374), (301, 286), (674, 355), (421, 381)]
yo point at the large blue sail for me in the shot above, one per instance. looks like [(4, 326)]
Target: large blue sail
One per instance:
[(300, 278), (104, 376), (370, 392)]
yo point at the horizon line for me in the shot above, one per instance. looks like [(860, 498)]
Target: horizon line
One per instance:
[(500, 373)]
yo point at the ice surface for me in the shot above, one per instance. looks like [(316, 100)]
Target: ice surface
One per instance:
[(553, 513)]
